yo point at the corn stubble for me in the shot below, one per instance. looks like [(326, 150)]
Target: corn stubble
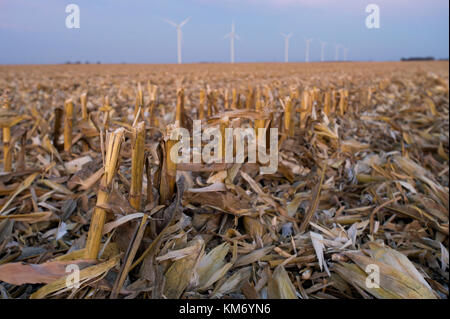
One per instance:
[(88, 179)]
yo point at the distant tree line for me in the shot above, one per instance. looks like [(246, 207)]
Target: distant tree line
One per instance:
[(79, 62), (427, 58)]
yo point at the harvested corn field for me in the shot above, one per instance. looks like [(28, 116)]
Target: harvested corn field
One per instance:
[(93, 204)]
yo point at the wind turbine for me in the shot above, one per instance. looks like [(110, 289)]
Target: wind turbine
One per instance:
[(322, 50), (232, 35), (179, 35), (286, 46), (308, 42)]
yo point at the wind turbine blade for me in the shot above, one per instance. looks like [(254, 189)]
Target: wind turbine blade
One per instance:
[(237, 37), (227, 36), (184, 22), (170, 22)]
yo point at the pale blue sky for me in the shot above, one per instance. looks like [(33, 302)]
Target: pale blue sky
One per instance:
[(132, 31)]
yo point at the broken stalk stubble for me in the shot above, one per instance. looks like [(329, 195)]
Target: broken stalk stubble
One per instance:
[(7, 155), (68, 124), (99, 215), (137, 165)]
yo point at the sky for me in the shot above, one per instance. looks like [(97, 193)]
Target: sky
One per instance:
[(133, 31)]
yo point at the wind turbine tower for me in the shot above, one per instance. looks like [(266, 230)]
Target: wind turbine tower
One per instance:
[(286, 46), (179, 35), (232, 35)]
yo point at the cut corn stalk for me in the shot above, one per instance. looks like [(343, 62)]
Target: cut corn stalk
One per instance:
[(68, 125), (99, 216), (234, 99), (84, 110), (137, 165), (288, 127), (169, 169), (7, 154)]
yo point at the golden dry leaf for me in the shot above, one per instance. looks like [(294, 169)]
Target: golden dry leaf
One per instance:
[(395, 281), (181, 271), (30, 217), (253, 256), (233, 283), (23, 186), (356, 276), (212, 267), (280, 286), (10, 118), (353, 146), (85, 275), (22, 273), (431, 106)]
